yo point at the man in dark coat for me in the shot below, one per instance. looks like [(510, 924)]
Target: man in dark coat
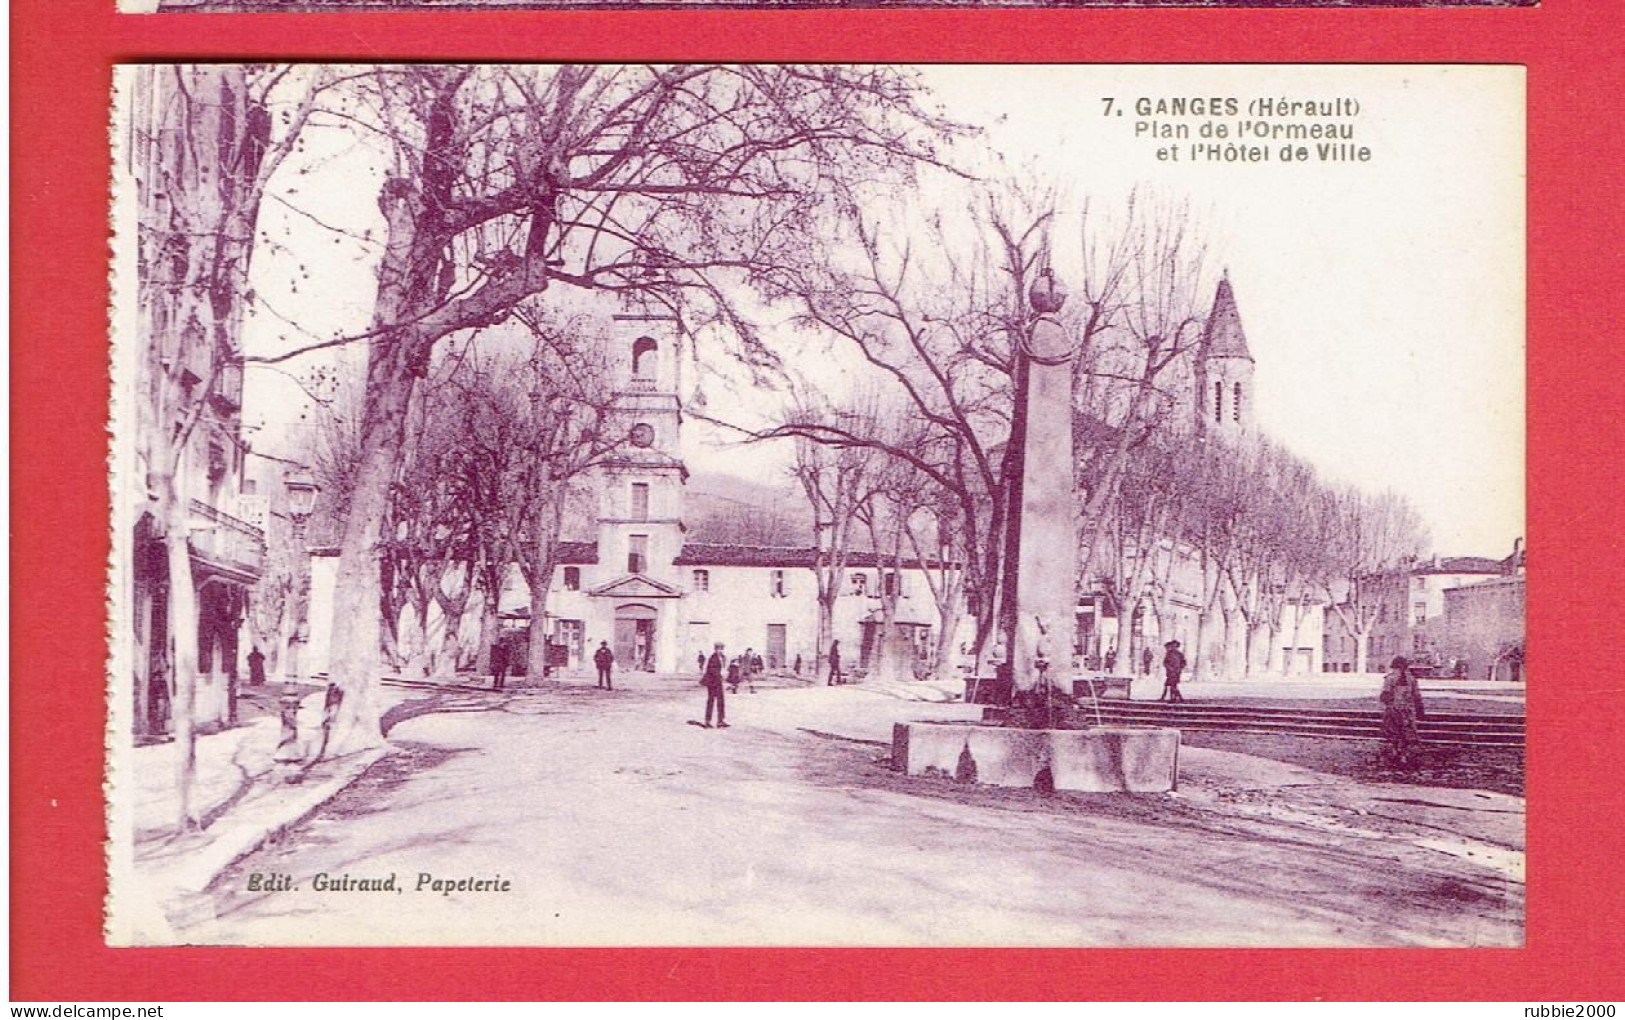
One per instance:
[(604, 659), (1173, 664), (834, 664), (499, 666), (256, 666), (712, 682)]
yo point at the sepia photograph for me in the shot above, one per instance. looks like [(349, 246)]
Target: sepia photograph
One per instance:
[(817, 505)]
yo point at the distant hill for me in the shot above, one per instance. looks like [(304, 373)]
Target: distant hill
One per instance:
[(725, 509)]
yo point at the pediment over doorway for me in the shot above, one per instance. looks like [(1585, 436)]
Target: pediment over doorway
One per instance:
[(636, 586)]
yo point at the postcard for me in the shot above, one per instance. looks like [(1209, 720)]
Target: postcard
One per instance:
[(817, 505)]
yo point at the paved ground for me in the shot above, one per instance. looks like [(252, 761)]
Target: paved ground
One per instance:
[(617, 823)]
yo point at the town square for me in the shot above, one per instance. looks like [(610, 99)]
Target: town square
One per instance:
[(781, 505)]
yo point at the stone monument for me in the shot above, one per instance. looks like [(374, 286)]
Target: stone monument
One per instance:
[(1041, 745)]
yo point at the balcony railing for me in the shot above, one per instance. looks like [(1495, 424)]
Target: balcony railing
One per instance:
[(223, 543)]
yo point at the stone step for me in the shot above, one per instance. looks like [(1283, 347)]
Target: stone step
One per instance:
[(1482, 731), (1474, 724)]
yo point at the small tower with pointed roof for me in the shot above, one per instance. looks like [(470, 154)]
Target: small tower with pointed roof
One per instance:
[(1224, 377)]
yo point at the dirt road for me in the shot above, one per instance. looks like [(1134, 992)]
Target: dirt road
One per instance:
[(613, 822)]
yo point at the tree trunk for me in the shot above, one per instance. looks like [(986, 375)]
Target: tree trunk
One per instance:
[(490, 630), (421, 654), (1297, 627), (549, 519), (946, 666), (889, 648), (356, 615), (183, 638), (826, 632)]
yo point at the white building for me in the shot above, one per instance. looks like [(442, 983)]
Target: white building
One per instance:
[(656, 598)]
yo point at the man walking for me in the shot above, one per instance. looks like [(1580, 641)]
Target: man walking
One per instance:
[(712, 682), (834, 665), (1173, 664), (604, 659)]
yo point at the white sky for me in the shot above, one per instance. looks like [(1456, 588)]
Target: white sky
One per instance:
[(1383, 301)]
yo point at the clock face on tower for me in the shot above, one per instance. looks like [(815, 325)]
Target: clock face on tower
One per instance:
[(643, 434)]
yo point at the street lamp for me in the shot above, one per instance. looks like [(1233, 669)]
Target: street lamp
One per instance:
[(302, 491)]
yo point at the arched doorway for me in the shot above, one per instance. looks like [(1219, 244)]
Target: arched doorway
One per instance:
[(634, 644)]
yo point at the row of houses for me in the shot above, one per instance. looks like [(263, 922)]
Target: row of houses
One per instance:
[(1462, 615)]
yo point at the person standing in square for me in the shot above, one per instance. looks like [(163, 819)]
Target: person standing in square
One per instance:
[(715, 668), (604, 659), (1173, 666)]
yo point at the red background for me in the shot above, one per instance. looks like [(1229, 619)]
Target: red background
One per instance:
[(62, 54)]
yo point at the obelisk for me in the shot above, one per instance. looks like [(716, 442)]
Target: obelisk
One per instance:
[(1046, 596)]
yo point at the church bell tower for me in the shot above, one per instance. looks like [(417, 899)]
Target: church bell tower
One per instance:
[(641, 485), (1224, 379)]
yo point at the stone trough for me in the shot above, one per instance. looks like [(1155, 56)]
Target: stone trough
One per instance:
[(1098, 759)]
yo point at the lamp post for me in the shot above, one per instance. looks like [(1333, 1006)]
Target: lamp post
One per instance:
[(302, 491), (1038, 615)]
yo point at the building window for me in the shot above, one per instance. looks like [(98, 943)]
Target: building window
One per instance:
[(1421, 612), (775, 584), (569, 635), (217, 461), (1218, 403), (572, 578), (640, 501), (860, 584), (1235, 404), (637, 553), (891, 584), (702, 580), (643, 365)]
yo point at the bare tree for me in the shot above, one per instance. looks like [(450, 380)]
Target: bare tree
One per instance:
[(899, 493), (205, 139), (673, 182), (1368, 538), (499, 432), (1143, 296), (1137, 556), (942, 331), (570, 427), (933, 533)]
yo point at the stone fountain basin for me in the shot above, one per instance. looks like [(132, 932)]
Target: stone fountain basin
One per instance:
[(1098, 759)]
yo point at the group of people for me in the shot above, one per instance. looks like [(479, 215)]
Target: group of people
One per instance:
[(1401, 696), (741, 669), (1401, 699)]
